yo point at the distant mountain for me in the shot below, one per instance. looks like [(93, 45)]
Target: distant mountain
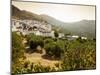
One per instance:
[(81, 28), (51, 20)]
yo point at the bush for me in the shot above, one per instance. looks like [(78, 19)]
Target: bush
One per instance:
[(32, 44), (27, 67), (80, 56), (81, 40), (35, 41), (17, 51), (49, 40), (17, 47), (54, 49), (56, 34)]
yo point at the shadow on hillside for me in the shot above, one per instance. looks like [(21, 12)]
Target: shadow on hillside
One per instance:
[(49, 57), (30, 51)]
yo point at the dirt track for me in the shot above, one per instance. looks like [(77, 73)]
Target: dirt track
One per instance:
[(37, 58)]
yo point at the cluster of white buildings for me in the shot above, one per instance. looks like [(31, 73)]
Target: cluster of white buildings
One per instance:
[(32, 26), (38, 28), (72, 37)]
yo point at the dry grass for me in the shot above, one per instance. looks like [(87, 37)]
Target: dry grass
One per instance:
[(37, 58)]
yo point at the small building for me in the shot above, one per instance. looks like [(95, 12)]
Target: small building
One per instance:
[(61, 35), (84, 38), (73, 37)]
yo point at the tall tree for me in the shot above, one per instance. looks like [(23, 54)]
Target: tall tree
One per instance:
[(56, 34)]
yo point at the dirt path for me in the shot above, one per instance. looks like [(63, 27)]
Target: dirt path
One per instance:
[(37, 58)]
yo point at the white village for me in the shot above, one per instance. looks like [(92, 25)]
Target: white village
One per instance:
[(38, 28)]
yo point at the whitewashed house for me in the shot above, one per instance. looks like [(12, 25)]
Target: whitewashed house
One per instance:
[(84, 38), (72, 37), (61, 35), (32, 26)]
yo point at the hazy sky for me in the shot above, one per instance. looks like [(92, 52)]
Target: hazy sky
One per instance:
[(65, 13)]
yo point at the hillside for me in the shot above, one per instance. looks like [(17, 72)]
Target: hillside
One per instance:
[(23, 14), (81, 28)]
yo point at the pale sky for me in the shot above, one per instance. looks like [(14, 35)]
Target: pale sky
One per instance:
[(62, 12)]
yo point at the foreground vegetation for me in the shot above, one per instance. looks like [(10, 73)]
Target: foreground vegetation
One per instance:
[(74, 55)]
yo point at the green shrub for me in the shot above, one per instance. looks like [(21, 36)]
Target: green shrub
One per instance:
[(33, 68), (54, 49), (81, 40), (17, 52), (32, 44), (35, 41), (80, 56), (56, 34), (17, 47), (48, 40)]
